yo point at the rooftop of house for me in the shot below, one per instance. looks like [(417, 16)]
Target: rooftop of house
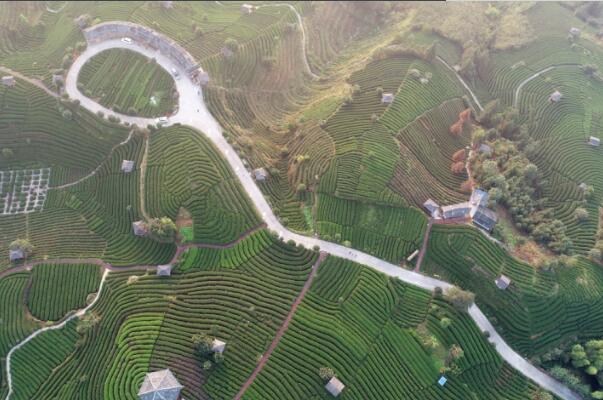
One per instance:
[(335, 386), (127, 165), (503, 282), (164, 270), (260, 174), (218, 346), (16, 254), (387, 97), (442, 381), (160, 385), (485, 218)]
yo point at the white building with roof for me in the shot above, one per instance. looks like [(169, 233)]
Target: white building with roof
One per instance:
[(127, 166), (140, 228), (260, 174), (556, 96), (594, 141), (432, 208), (387, 98), (16, 254), (335, 386), (218, 346), (8, 80), (164, 270), (160, 385), (502, 282), (246, 8)]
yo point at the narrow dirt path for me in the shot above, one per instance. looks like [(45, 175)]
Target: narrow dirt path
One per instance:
[(110, 267), (424, 246), (465, 85), (283, 328), (35, 82), (91, 174), (303, 35), (143, 173)]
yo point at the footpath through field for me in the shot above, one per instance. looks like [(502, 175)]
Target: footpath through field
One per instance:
[(283, 328), (192, 111)]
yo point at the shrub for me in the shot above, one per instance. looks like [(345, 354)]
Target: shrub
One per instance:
[(460, 299), (163, 229), (326, 373), (581, 214)]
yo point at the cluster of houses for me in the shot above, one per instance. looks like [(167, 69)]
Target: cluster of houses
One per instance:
[(154, 40), (475, 209)]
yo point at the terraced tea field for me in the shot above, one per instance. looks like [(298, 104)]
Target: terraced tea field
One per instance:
[(364, 327), (301, 90), (540, 310), (129, 83)]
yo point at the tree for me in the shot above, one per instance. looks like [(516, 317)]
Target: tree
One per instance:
[(530, 172), (301, 188), (67, 114), (581, 214), (163, 229), (459, 155), (231, 44), (445, 322), (326, 373), (7, 152), (22, 244), (203, 343), (207, 365), (457, 167), (542, 395), (578, 356), (460, 299)]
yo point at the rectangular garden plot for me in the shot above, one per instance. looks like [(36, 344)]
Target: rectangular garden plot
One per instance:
[(23, 191)]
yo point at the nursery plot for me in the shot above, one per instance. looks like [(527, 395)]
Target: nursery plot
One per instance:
[(129, 83), (540, 310), (364, 326), (38, 132), (23, 191)]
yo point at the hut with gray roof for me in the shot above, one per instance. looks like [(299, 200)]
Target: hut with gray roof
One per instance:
[(160, 385), (502, 282), (334, 386), (16, 254), (164, 270), (8, 80)]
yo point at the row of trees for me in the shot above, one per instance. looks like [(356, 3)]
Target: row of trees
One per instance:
[(513, 181), (579, 366)]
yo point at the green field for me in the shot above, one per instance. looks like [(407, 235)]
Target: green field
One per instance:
[(305, 103), (128, 83), (364, 326), (540, 310), (57, 289)]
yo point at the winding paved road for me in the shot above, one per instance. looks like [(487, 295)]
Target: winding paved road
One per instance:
[(193, 112)]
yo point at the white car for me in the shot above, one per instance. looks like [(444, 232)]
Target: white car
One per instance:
[(126, 40), (161, 120), (175, 73)]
